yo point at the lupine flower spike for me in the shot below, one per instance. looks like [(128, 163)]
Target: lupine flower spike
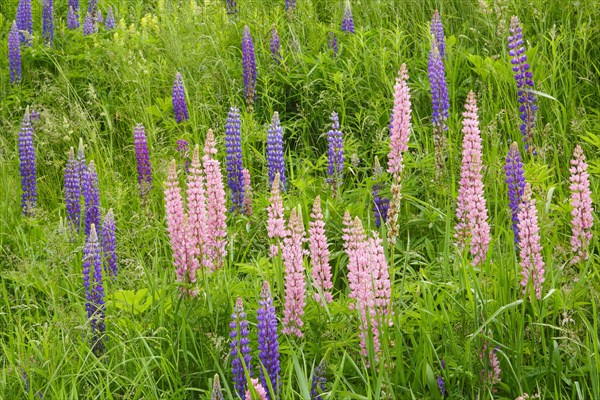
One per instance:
[(143, 162), (348, 21), (14, 54), (233, 144), (249, 61), (247, 208), (217, 394), (197, 214), (290, 5), (89, 25), (333, 44), (295, 286), (275, 45), (318, 381), (110, 19), (437, 32), (74, 4), (179, 105), (28, 168), (94, 290), (380, 204), (25, 22), (268, 345), (275, 221), (258, 388), (183, 149), (48, 21), (275, 158), (581, 201), (515, 178), (532, 264), (335, 153), (109, 243), (524, 78), (399, 134), (319, 255), (73, 192), (472, 228), (240, 347), (91, 197), (491, 363), (72, 19)]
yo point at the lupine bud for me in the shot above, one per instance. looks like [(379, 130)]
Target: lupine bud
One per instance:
[(581, 201), (319, 255), (275, 44), (94, 291), (91, 197), (240, 347), (268, 345), (249, 61), (14, 54), (275, 220), (110, 19), (348, 21), (72, 19), (318, 381), (28, 168), (73, 192), (217, 394), (143, 162), (25, 22), (179, 105), (295, 285), (335, 153), (515, 179), (333, 43), (437, 31), (275, 157), (48, 21), (532, 264), (109, 243), (233, 144)]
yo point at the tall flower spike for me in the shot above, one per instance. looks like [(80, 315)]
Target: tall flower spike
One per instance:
[(335, 153), (27, 164), (249, 61), (472, 228), (348, 21), (440, 105), (247, 193), (215, 206), (581, 201), (25, 22), (290, 5), (91, 197), (275, 44), (217, 394), (515, 178), (109, 23), (319, 255), (524, 78), (275, 157), (109, 243), (73, 192), (240, 347), (48, 21), (333, 43), (89, 25), (275, 221), (197, 214), (183, 149), (94, 290), (295, 286), (259, 389), (318, 381), (143, 162), (177, 223), (532, 264), (179, 105), (380, 204), (233, 146), (437, 31), (72, 19), (268, 345), (14, 54)]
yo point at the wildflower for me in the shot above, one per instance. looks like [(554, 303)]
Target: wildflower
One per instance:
[(25, 22), (515, 179), (240, 347), (295, 286), (333, 43), (231, 7), (275, 157), (275, 45), (437, 32), (14, 54), (94, 291), (348, 21), (247, 208), (183, 149), (91, 197), (318, 381), (380, 204), (268, 346), (143, 162), (319, 255), (109, 242), (335, 153), (89, 26), (109, 24), (72, 19), (249, 61), (492, 362), (441, 385), (197, 213), (260, 391), (27, 164), (275, 221), (440, 105), (73, 192), (217, 394), (290, 5), (179, 104), (48, 21), (233, 143), (532, 264), (581, 201)]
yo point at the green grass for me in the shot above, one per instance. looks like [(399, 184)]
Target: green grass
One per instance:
[(161, 345)]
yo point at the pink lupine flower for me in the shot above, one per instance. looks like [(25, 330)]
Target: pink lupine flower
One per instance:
[(581, 201), (472, 227), (493, 363), (215, 206), (400, 124), (260, 391), (197, 218), (275, 222), (247, 206), (380, 274), (295, 286), (319, 255), (532, 264), (176, 223)]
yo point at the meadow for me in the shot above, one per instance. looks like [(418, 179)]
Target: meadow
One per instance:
[(409, 308)]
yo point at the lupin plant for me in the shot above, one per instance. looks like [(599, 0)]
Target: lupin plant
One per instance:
[(216, 394), (25, 22), (27, 166), (247, 205), (109, 243), (380, 204), (581, 201), (48, 21), (335, 153), (143, 162), (319, 255), (249, 62), (231, 7), (333, 43), (73, 192), (275, 45), (275, 220), (530, 249), (233, 145), (94, 289), (319, 379), (89, 25), (290, 5), (179, 105), (348, 20), (14, 54), (275, 154), (515, 179), (292, 254), (268, 345), (109, 23), (91, 197), (72, 19), (74, 5), (240, 347)]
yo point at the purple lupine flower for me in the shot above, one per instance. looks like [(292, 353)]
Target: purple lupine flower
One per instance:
[(183, 149), (98, 17), (441, 385), (439, 89), (275, 44), (380, 204), (524, 78), (333, 43), (81, 164), (249, 60), (27, 164), (25, 22), (110, 19), (48, 22), (92, 6), (91, 198), (275, 158), (335, 153), (268, 346), (109, 243), (437, 31), (240, 347), (73, 192), (231, 7), (290, 5), (318, 381), (515, 178), (348, 21), (143, 162), (74, 4), (179, 105), (14, 54), (89, 26), (94, 291), (72, 19), (233, 145)]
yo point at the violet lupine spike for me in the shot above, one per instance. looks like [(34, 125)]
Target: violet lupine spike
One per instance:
[(440, 106), (275, 219), (197, 215), (109, 23), (290, 5), (249, 61), (109, 243), (472, 228), (217, 393), (275, 156), (73, 192), (179, 105), (247, 208), (25, 22), (91, 197), (524, 78), (94, 290), (581, 201), (92, 6), (240, 347), (333, 44), (183, 149), (27, 166), (295, 285), (48, 21), (233, 145), (144, 169), (380, 204), (74, 4), (437, 31), (275, 45), (347, 20), (335, 153), (318, 381), (268, 345), (14, 54), (89, 26), (72, 19), (319, 255), (81, 163), (515, 179), (530, 249)]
